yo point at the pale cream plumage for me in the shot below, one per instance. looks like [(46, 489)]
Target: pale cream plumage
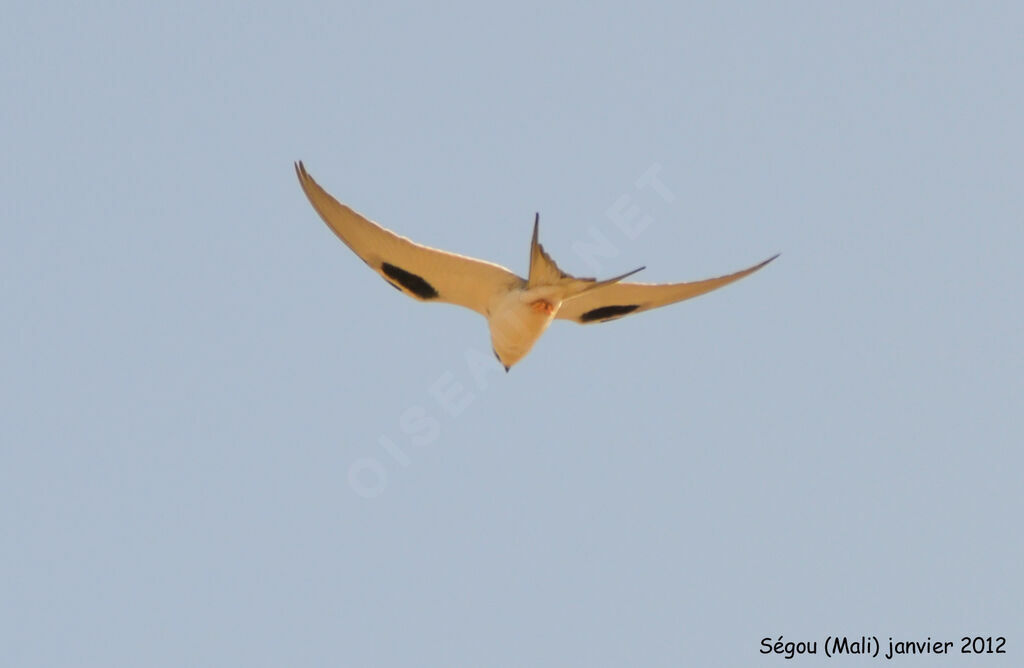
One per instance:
[(518, 310)]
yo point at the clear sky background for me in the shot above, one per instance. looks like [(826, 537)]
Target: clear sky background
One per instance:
[(193, 366)]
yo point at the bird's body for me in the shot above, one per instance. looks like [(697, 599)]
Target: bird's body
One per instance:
[(517, 320), (518, 310)]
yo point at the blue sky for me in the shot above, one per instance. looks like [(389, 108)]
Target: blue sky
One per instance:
[(194, 366)]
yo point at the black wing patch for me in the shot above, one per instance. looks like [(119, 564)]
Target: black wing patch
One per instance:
[(411, 282), (607, 312)]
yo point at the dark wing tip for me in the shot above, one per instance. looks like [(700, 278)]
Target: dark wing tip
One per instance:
[(759, 265)]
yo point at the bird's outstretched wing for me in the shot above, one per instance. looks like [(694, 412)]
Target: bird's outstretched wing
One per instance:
[(421, 272), (619, 299)]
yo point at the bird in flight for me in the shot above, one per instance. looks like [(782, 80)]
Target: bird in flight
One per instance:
[(518, 310)]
